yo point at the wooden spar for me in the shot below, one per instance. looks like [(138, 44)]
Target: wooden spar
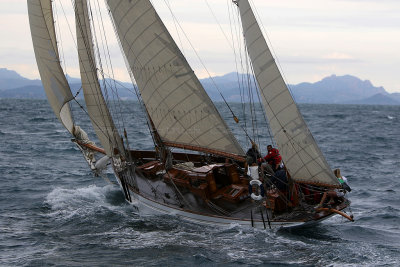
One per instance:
[(90, 146), (336, 211), (318, 184), (207, 150)]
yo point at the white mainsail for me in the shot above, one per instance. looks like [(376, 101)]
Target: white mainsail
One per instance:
[(96, 106), (45, 46), (302, 156), (176, 102)]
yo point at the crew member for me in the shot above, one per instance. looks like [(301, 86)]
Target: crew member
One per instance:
[(252, 154), (273, 158)]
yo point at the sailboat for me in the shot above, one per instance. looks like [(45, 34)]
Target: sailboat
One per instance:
[(207, 178)]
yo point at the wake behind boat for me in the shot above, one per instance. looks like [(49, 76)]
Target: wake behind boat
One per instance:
[(198, 170)]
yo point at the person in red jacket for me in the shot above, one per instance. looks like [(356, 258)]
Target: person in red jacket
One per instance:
[(273, 158)]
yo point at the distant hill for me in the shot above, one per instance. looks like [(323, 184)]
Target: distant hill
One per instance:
[(10, 79), (334, 89), (13, 85), (29, 91), (395, 96), (227, 85), (377, 99)]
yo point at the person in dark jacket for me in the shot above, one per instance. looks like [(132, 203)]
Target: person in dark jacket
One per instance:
[(253, 154), (280, 180)]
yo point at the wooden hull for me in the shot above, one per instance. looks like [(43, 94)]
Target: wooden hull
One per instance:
[(146, 205)]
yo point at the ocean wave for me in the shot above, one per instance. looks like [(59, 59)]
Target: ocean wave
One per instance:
[(39, 120), (81, 202)]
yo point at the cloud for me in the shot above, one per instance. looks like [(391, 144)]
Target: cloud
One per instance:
[(342, 57), (358, 37), (331, 58)]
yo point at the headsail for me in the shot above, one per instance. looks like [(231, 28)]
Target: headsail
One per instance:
[(177, 103), (45, 45), (96, 106), (301, 154)]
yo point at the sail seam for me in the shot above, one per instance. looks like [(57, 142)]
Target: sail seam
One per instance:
[(149, 80), (254, 41), (190, 126), (124, 15), (170, 109), (250, 26), (134, 24)]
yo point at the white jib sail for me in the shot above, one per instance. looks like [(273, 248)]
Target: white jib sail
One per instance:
[(96, 106), (302, 156), (45, 46), (178, 105)]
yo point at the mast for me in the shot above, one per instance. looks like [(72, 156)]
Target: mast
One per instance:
[(302, 156), (180, 109), (46, 52), (96, 105)]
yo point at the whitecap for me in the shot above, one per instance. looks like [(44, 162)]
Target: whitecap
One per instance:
[(68, 203)]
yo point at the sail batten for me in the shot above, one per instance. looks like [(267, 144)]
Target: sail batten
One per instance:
[(176, 102), (46, 52), (300, 152), (96, 106)]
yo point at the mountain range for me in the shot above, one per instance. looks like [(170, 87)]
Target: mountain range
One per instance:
[(334, 89)]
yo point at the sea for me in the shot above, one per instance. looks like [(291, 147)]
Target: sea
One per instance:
[(54, 212)]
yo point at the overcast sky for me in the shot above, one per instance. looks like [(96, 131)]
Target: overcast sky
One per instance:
[(311, 39)]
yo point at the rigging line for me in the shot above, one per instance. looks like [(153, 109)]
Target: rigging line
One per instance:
[(270, 44), (262, 109), (292, 142), (69, 26), (59, 36), (281, 71), (110, 66), (95, 43), (250, 95), (77, 93), (176, 28), (252, 102), (119, 83), (178, 55), (250, 65), (153, 131), (60, 51), (251, 106), (102, 35), (242, 82), (121, 118), (105, 112), (89, 115), (137, 92), (98, 97), (236, 60), (286, 133), (90, 59), (219, 25), (252, 89), (202, 63), (183, 52), (177, 189)]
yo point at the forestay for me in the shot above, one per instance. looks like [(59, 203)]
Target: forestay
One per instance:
[(96, 106), (178, 105), (302, 156), (45, 46)]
